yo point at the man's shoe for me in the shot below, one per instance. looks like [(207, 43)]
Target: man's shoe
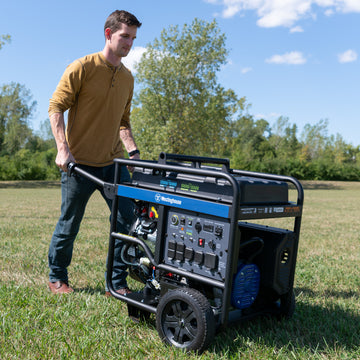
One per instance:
[(60, 287), (122, 291)]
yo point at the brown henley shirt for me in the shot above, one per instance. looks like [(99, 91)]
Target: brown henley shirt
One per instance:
[(98, 97)]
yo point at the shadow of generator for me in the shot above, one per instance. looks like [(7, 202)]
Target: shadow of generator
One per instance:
[(202, 259)]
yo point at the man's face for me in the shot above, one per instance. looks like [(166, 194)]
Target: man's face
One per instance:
[(122, 40)]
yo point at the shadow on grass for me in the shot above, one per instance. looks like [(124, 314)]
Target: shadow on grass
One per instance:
[(330, 293), (29, 184), (313, 328), (90, 290), (307, 184), (321, 186), (330, 185)]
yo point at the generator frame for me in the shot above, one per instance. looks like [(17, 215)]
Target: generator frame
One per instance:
[(232, 210)]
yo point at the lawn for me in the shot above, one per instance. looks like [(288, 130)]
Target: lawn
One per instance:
[(34, 324)]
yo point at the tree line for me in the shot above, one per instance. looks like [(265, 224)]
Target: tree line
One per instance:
[(180, 107)]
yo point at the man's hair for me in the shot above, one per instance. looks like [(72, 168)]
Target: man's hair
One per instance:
[(118, 17)]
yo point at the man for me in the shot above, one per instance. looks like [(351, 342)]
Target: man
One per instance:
[(97, 90)]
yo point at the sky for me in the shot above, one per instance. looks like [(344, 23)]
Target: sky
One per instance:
[(299, 59)]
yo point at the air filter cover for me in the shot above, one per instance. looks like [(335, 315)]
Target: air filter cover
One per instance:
[(245, 286)]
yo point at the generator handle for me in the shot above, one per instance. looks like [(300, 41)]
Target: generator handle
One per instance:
[(73, 168), (109, 189), (197, 161)]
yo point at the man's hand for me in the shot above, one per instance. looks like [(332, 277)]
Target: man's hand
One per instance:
[(134, 157), (63, 158)]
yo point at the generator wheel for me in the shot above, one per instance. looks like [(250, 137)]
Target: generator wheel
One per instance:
[(287, 305), (185, 319)]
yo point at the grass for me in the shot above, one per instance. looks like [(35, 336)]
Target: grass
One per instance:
[(34, 324)]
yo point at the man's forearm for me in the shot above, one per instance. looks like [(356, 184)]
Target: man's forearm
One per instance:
[(128, 140), (63, 156), (58, 129)]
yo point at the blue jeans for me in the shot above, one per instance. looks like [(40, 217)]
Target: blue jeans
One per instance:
[(75, 193)]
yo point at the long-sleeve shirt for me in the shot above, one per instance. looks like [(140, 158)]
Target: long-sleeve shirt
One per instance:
[(98, 97)]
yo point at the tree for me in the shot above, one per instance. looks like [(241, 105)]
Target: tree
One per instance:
[(315, 138), (249, 144), (283, 139), (4, 39), (16, 108), (180, 107)]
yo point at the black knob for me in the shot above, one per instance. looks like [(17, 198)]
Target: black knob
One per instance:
[(174, 219)]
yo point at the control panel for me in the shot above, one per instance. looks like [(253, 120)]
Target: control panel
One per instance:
[(197, 243)]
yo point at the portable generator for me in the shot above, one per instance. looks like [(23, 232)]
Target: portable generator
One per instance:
[(197, 246)]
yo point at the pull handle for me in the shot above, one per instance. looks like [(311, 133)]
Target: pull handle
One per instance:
[(196, 161)]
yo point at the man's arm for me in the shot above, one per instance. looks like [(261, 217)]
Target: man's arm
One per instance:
[(64, 155), (128, 140)]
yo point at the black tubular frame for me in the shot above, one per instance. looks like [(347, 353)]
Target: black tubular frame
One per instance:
[(195, 168)]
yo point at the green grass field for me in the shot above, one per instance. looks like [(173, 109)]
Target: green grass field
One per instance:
[(34, 324)]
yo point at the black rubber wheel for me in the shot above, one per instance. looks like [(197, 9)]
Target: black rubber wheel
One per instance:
[(287, 305), (185, 319)]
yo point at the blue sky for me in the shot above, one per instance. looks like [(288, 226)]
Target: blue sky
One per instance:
[(294, 58)]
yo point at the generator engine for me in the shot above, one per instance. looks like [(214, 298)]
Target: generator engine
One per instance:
[(145, 225), (144, 228)]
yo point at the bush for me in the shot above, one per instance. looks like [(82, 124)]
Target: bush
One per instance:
[(27, 165)]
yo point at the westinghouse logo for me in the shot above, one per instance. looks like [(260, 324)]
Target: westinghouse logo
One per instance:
[(169, 200)]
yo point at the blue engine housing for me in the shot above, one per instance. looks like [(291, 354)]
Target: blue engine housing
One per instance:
[(245, 286)]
